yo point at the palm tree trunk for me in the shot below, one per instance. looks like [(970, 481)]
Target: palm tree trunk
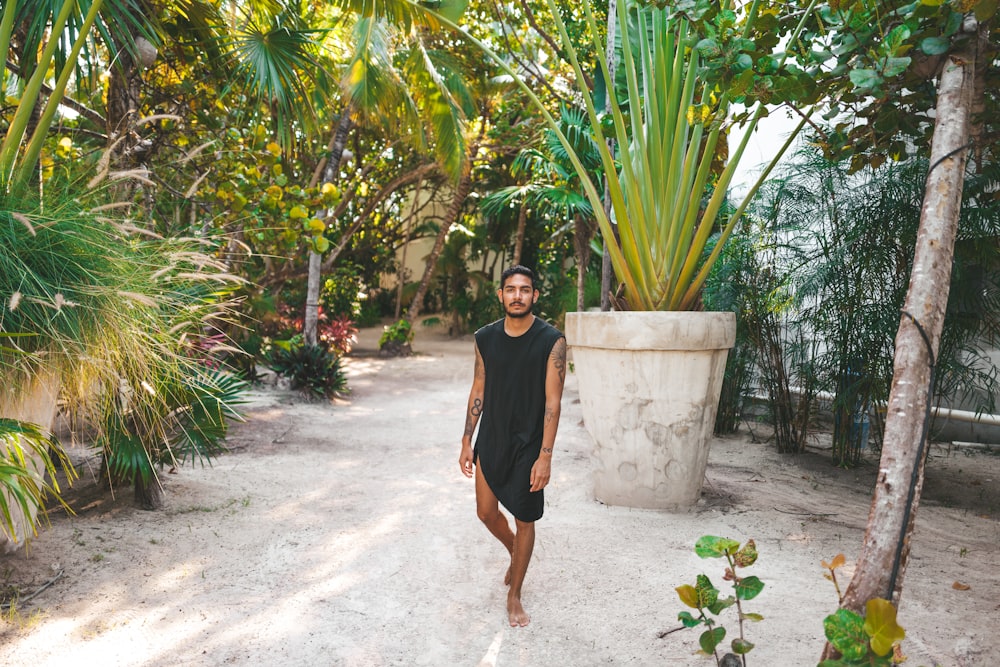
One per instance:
[(451, 216), (310, 324), (522, 225), (583, 232), (887, 540)]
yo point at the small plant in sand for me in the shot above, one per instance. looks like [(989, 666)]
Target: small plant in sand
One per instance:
[(706, 598), (396, 338), (872, 639)]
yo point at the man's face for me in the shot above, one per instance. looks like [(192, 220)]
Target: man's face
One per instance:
[(517, 296)]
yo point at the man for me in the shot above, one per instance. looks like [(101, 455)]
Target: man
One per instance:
[(516, 390)]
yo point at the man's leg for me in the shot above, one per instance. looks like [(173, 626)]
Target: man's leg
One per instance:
[(524, 544), (488, 509)]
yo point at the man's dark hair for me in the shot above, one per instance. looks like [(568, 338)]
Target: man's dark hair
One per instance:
[(517, 269)]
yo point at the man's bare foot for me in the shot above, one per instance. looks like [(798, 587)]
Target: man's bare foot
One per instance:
[(516, 613)]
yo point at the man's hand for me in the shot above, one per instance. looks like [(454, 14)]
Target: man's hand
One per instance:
[(465, 460), (540, 473)]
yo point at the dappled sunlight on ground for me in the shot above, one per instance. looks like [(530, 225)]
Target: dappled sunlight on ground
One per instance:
[(342, 533)]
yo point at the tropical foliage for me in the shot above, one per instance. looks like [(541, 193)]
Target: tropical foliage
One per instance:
[(29, 463)]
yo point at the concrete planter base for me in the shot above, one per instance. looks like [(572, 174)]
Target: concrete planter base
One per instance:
[(649, 387)]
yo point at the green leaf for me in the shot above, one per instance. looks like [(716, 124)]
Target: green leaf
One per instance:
[(896, 37), (688, 595), (865, 78), (320, 244), (741, 646), (895, 66), (881, 626), (748, 588), (935, 46), (985, 10), (753, 617), (710, 639), (719, 606), (743, 62), (687, 620), (742, 83), (709, 546), (844, 629), (932, 3), (708, 594), (708, 48), (453, 9)]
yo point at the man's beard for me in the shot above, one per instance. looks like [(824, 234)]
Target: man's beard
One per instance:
[(518, 315)]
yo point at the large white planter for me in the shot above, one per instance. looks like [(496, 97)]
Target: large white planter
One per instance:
[(35, 401), (649, 386)]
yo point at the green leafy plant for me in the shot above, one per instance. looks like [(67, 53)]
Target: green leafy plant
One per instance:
[(27, 457), (400, 332), (872, 639), (184, 416), (706, 599), (686, 80), (312, 368)]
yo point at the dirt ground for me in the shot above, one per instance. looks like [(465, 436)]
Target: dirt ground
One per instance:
[(344, 534)]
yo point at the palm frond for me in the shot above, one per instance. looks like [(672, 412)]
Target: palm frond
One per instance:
[(27, 457)]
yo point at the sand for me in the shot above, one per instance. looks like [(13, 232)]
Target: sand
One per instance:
[(343, 533)]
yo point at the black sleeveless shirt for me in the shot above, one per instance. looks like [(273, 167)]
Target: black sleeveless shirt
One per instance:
[(511, 425)]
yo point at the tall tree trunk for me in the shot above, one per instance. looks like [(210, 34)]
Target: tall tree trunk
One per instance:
[(887, 540), (451, 216), (522, 224), (310, 324), (128, 149), (407, 233), (583, 233)]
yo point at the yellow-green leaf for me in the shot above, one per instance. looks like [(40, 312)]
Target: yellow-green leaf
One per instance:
[(320, 244), (688, 595), (881, 626)]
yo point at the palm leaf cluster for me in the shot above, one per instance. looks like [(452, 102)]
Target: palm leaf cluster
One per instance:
[(29, 460)]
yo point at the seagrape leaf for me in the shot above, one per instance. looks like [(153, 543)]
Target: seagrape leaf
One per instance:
[(881, 626), (741, 646), (709, 546), (845, 630), (935, 46), (748, 588), (746, 556), (895, 66), (711, 638), (687, 620), (688, 595), (865, 78), (707, 593)]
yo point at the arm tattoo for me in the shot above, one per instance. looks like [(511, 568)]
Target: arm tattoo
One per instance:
[(549, 415), (547, 450), (558, 358), (473, 416)]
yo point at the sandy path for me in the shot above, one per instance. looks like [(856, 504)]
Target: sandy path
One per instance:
[(345, 535)]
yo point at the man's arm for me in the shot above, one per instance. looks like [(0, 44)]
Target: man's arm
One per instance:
[(472, 412), (555, 378)]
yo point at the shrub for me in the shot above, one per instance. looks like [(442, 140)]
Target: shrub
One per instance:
[(400, 332), (311, 368)]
